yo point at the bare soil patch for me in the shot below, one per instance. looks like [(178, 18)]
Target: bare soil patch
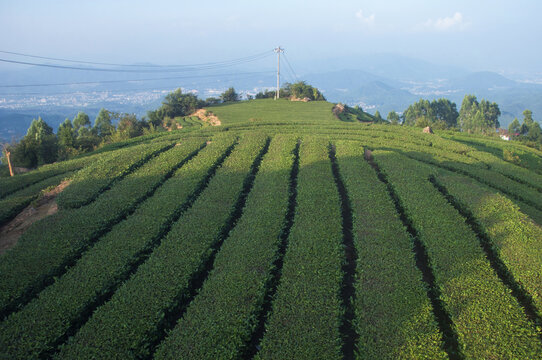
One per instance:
[(305, 99), (207, 117), (338, 110), (39, 209)]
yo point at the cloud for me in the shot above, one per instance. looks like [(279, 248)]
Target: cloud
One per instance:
[(450, 23), (367, 20)]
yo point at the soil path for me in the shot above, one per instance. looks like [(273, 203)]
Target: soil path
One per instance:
[(43, 207)]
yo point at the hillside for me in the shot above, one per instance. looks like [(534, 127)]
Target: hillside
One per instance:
[(283, 233)]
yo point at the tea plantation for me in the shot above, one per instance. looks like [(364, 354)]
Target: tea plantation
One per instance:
[(283, 233)]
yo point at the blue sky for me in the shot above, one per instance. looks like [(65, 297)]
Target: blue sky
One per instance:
[(482, 35)]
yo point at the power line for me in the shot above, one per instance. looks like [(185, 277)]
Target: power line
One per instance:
[(208, 66), (136, 65), (291, 75), (290, 66), (130, 80), (128, 90)]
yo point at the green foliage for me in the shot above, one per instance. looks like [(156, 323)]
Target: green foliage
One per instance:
[(307, 307), (395, 324), (512, 234), (38, 147), (271, 112), (81, 124), (66, 134), (270, 94), (102, 125), (229, 96), (470, 288), (12, 204), (353, 114), (129, 126), (510, 156), (529, 158), (127, 245), (393, 118), (378, 117), (88, 183), (440, 114), (212, 101), (129, 321), (478, 117), (62, 237), (242, 270), (514, 127), (175, 104), (529, 129), (12, 184), (107, 263), (301, 90)]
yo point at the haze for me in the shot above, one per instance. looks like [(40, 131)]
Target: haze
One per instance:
[(501, 36)]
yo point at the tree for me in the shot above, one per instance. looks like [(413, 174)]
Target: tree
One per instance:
[(81, 121), (534, 133), (301, 90), (514, 127), (528, 117), (419, 114), (229, 95), (212, 101), (39, 145), (266, 94), (86, 139), (393, 118), (175, 104), (129, 126), (477, 116), (66, 134), (491, 113), (378, 117), (468, 110), (530, 129), (102, 124), (445, 111)]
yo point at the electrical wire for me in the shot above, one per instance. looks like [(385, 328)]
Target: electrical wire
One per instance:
[(167, 70), (290, 66), (248, 58), (291, 75), (129, 90), (130, 80)]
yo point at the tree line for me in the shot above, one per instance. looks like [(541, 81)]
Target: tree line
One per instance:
[(479, 117), (75, 136), (299, 90), (79, 135)]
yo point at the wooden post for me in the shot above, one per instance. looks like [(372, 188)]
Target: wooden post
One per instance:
[(9, 163)]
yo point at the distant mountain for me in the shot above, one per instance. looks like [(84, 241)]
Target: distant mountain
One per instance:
[(484, 80), (14, 124), (378, 92), (381, 82), (388, 65)]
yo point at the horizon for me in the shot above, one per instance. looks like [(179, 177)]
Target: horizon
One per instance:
[(477, 37), (399, 53)]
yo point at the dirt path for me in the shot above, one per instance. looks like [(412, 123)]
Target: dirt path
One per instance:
[(43, 207)]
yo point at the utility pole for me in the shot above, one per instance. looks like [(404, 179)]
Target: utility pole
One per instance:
[(278, 51)]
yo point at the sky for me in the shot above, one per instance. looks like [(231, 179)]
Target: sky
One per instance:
[(502, 36)]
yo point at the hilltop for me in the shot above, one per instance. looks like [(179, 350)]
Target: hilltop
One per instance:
[(285, 232)]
